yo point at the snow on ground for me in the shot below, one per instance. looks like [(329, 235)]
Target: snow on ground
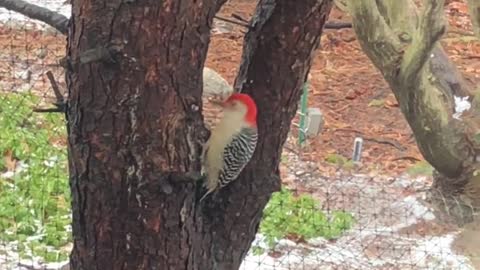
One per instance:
[(394, 229), (10, 260), (348, 253)]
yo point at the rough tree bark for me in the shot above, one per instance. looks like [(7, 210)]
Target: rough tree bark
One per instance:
[(135, 129), (277, 55), (214, 85), (134, 120), (54, 19), (403, 46)]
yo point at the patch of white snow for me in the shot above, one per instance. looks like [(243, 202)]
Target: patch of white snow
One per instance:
[(461, 104)]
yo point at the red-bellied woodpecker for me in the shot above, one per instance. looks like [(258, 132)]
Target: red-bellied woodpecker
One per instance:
[(231, 143)]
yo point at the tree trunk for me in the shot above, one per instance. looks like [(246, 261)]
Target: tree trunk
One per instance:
[(403, 46), (277, 55), (135, 129), (134, 121)]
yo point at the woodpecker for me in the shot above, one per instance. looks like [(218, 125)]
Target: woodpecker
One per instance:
[(231, 143)]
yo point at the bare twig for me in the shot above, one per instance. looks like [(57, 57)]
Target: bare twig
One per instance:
[(54, 19), (405, 157), (386, 141), (429, 31), (239, 17), (246, 25), (60, 105), (337, 25), (391, 142), (56, 89)]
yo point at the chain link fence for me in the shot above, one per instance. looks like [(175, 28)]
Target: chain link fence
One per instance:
[(34, 192), (344, 222)]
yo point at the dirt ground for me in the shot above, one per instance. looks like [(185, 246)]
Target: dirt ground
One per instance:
[(351, 93)]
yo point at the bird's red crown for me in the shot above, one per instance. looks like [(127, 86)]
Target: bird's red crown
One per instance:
[(251, 116)]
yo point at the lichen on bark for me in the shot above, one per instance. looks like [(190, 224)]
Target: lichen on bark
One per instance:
[(404, 46)]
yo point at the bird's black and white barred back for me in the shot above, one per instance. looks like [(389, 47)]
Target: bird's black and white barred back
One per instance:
[(237, 154), (231, 143)]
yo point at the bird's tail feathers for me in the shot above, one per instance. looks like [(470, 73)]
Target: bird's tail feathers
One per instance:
[(203, 188), (206, 194)]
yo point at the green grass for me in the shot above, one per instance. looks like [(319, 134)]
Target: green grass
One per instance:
[(35, 201), (300, 217), (420, 168)]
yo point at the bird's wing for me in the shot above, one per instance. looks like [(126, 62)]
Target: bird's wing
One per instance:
[(237, 154)]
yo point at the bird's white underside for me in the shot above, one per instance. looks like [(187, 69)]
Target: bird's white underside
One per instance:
[(231, 124)]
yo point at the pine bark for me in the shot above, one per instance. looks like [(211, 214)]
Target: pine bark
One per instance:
[(135, 129)]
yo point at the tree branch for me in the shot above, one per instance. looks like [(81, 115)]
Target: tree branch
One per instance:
[(220, 18), (328, 25), (403, 18), (424, 84), (280, 44), (337, 25), (60, 105), (375, 36), (431, 27), (474, 8), (54, 19), (55, 88)]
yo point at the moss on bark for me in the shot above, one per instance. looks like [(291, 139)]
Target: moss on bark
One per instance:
[(403, 45)]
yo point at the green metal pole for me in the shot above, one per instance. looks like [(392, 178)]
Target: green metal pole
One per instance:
[(303, 114)]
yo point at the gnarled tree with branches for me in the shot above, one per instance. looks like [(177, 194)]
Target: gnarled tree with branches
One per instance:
[(404, 46)]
